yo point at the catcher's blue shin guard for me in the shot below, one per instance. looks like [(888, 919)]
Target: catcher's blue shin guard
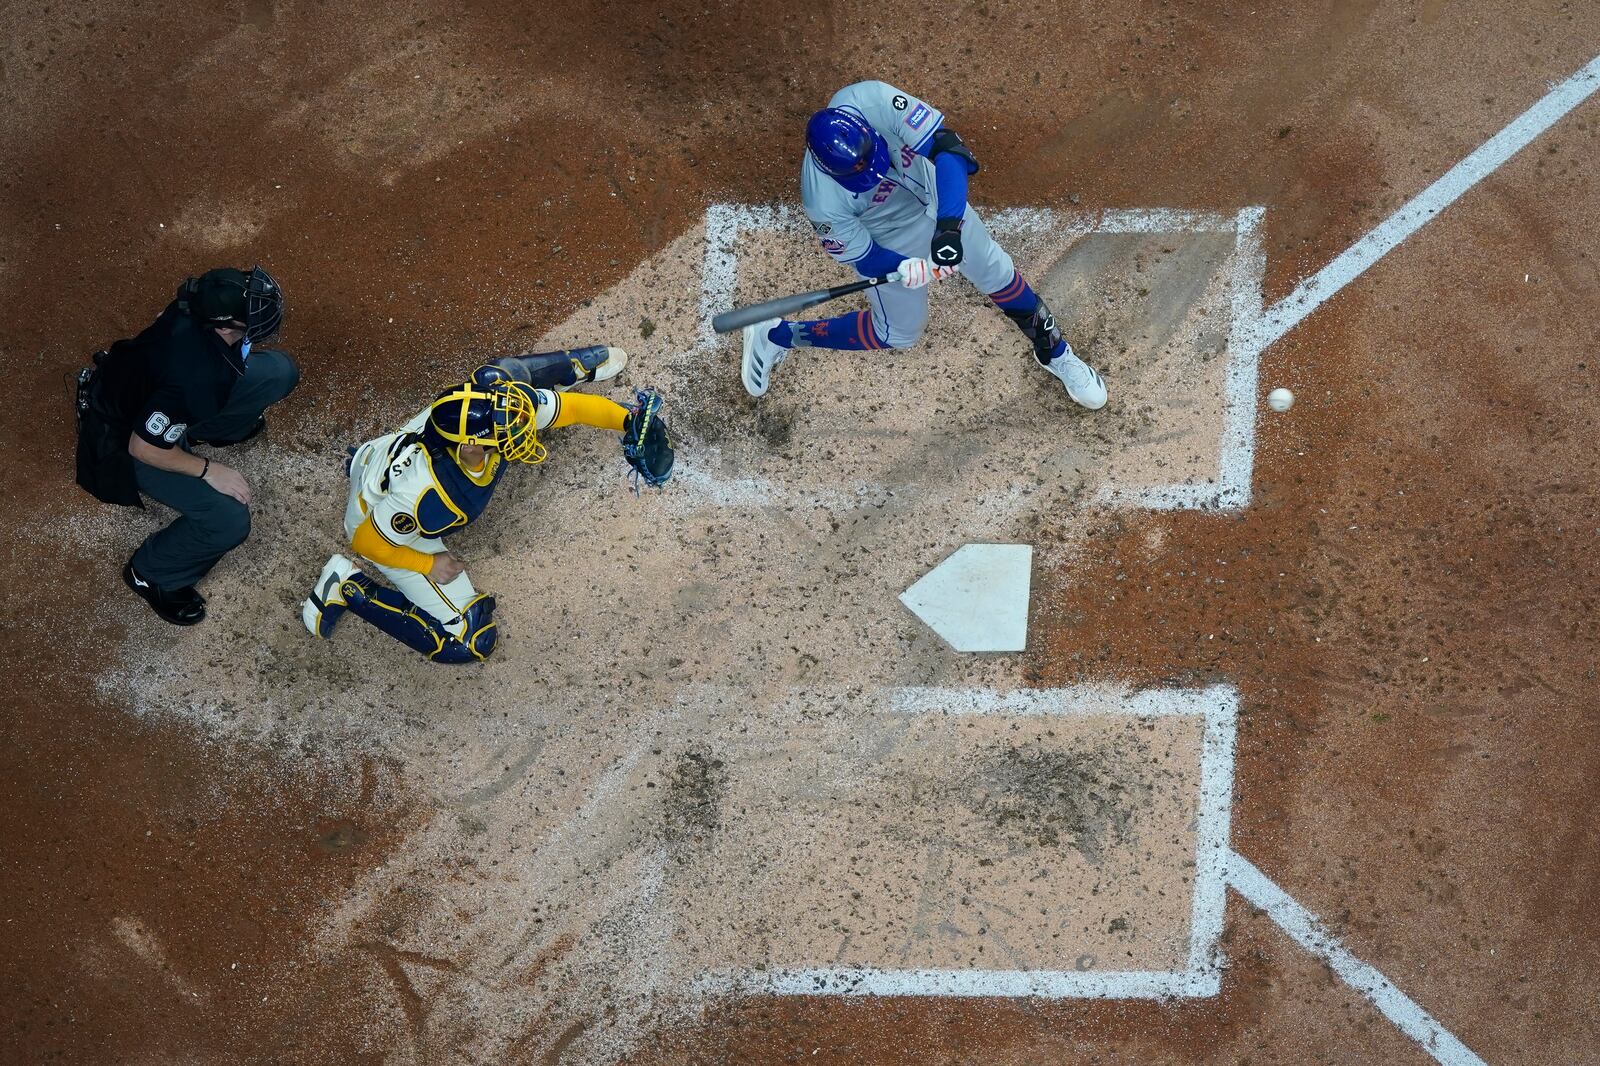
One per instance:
[(545, 370), (397, 616)]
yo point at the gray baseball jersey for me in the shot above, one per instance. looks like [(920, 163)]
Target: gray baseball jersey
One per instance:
[(848, 222)]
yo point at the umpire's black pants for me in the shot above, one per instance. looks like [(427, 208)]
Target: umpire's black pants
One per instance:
[(210, 523)]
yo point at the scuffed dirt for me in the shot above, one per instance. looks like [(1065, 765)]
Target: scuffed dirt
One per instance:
[(696, 791), (1084, 800)]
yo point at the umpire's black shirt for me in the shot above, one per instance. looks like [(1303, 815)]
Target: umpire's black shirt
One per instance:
[(174, 375)]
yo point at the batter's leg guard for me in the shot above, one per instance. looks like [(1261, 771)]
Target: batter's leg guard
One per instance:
[(1027, 309), (556, 370), (397, 616), (1039, 326)]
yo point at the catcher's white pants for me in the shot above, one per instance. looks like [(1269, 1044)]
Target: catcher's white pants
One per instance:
[(899, 314), (443, 603)]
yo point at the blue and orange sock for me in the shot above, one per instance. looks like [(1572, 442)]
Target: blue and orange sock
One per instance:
[(853, 332), (1016, 298)]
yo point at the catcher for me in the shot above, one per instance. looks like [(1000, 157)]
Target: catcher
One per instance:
[(408, 489)]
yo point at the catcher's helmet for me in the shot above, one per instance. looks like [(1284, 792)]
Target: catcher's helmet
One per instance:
[(497, 416), (847, 149), (225, 296)]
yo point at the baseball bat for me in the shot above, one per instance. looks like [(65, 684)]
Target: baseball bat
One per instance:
[(740, 317)]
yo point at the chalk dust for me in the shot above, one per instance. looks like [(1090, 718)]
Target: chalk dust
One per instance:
[(133, 935), (679, 760)]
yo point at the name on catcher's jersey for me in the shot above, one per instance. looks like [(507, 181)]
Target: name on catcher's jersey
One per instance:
[(845, 221), (411, 492)]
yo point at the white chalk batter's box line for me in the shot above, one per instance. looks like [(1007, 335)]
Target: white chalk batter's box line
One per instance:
[(1218, 708), (1230, 488)]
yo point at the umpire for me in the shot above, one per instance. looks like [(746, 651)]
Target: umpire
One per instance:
[(192, 377)]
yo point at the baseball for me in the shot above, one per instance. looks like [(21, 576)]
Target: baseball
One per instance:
[(1280, 399)]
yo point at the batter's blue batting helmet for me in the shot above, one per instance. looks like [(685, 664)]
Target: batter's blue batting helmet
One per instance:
[(847, 149)]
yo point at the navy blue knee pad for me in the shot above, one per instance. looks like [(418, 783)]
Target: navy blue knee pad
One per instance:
[(479, 637), (390, 611)]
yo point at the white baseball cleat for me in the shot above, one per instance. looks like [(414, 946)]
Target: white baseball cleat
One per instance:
[(761, 357), (321, 610), (1084, 384)]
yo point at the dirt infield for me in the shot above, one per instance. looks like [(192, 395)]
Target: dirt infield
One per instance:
[(235, 844)]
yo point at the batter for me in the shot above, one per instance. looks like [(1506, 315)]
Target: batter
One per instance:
[(884, 183)]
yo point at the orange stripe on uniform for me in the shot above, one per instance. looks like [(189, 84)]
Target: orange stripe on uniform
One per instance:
[(864, 331), (1012, 291)]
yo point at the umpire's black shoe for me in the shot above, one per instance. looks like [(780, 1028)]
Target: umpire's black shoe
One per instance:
[(255, 431), (184, 607)]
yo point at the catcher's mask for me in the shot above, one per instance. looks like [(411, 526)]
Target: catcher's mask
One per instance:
[(499, 416), (248, 300)]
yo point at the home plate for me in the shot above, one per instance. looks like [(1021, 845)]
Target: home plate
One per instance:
[(977, 599)]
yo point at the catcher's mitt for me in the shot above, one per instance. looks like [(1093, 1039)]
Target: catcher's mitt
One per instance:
[(646, 444)]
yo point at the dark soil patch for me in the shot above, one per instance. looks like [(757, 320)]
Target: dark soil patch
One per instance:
[(1086, 800)]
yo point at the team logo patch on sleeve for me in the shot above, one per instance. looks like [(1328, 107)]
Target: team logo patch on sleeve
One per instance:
[(833, 247), (403, 524), (918, 116)]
